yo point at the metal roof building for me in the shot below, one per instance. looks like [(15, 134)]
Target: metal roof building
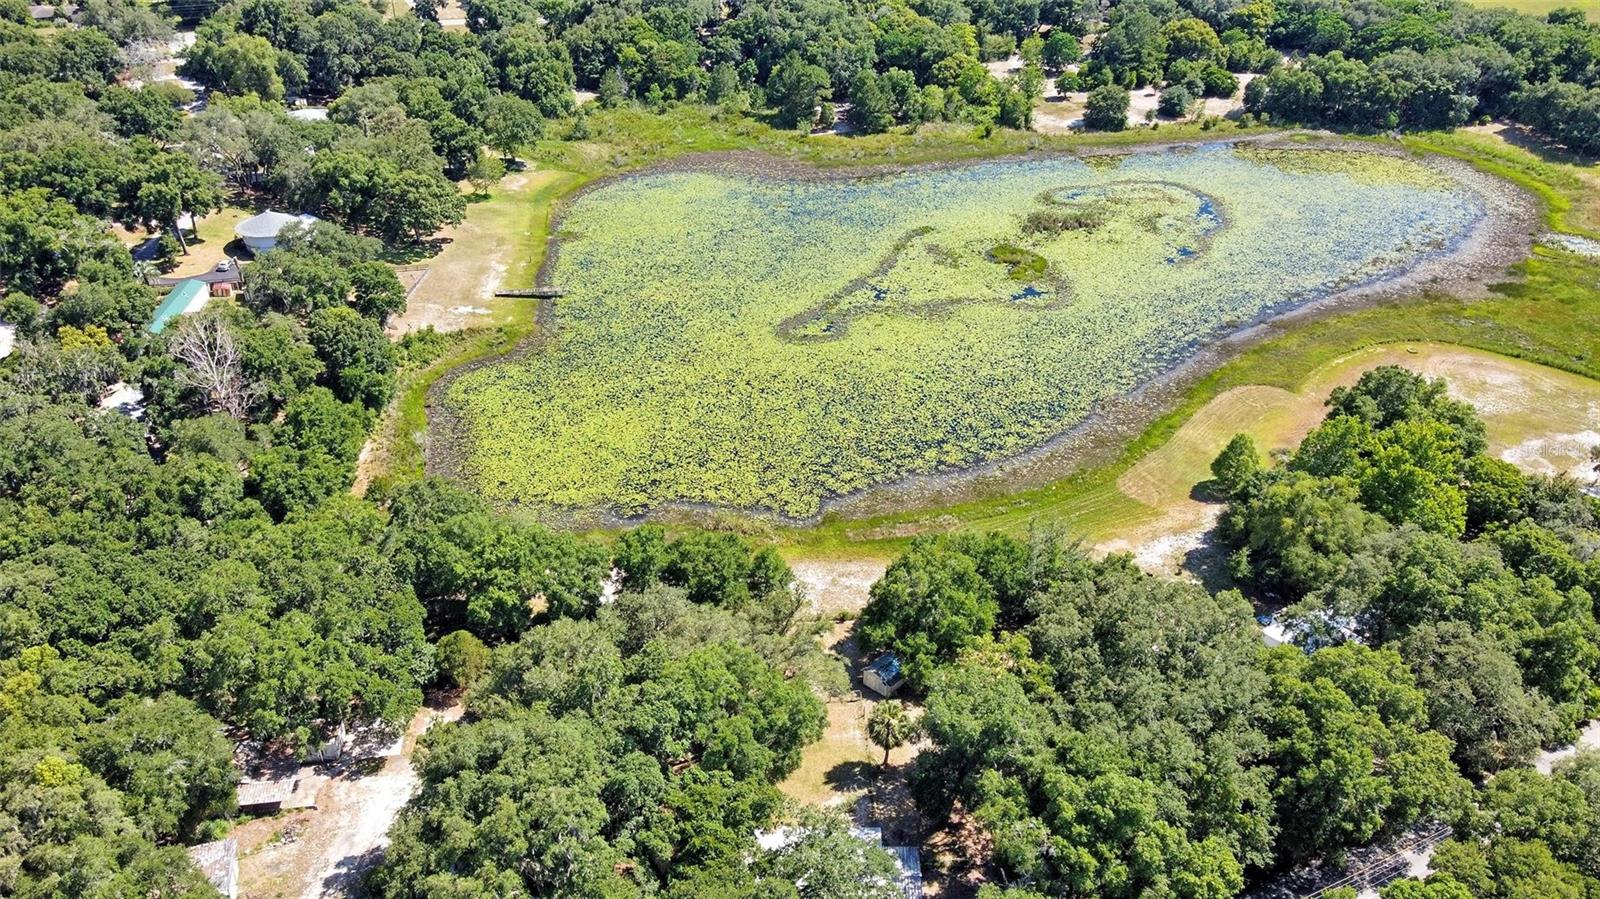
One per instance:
[(187, 298), (260, 232)]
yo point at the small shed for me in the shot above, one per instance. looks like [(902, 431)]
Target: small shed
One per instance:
[(1273, 633), (260, 232), (187, 298), (265, 797), (909, 860), (884, 676), (219, 862)]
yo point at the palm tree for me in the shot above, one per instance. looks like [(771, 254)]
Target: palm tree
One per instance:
[(889, 726)]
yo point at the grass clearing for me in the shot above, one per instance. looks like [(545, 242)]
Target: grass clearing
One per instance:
[(500, 244), (1542, 419), (1542, 8)]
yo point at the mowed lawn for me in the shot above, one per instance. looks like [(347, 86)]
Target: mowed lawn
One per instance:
[(1541, 8)]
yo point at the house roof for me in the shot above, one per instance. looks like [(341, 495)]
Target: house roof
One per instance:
[(219, 862), (269, 223), (887, 668), (8, 339), (45, 11), (189, 296), (265, 792)]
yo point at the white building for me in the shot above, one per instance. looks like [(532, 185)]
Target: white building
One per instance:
[(884, 676), (8, 339), (260, 232), (908, 859)]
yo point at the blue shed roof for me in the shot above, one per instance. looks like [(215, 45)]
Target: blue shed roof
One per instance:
[(177, 300), (887, 667)]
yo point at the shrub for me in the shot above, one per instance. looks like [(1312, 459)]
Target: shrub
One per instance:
[(1175, 102), (462, 658), (1107, 109)]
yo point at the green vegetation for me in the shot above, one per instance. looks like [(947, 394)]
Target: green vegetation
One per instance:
[(171, 582), (886, 340), (1026, 265), (1444, 633)]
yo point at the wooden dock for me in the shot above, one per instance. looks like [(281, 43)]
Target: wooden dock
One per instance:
[(542, 293)]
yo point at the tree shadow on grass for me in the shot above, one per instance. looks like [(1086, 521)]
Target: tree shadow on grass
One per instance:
[(1526, 138), (850, 777), (414, 251)]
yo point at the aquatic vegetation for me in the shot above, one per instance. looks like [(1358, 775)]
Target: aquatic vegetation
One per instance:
[(760, 342)]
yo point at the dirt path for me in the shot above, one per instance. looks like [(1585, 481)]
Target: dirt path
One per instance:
[(325, 851)]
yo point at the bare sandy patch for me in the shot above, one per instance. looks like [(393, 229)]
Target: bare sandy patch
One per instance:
[(487, 251), (837, 585)]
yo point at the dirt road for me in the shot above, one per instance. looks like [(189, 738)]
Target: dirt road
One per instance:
[(324, 851)]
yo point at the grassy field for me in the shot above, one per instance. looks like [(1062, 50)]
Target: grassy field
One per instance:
[(509, 229), (1541, 8)]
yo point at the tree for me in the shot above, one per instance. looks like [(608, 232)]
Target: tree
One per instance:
[(170, 761), (376, 290), (643, 557), (1106, 109), (928, 605), (43, 241), (1060, 49), (719, 568), (613, 92), (510, 123), (1476, 697), (211, 364), (462, 658), (171, 186), (413, 205), (1175, 102), (485, 171), (246, 64), (869, 106), (889, 726), (1350, 739), (145, 112), (358, 360), (1134, 47), (794, 89), (1191, 38), (1236, 469)]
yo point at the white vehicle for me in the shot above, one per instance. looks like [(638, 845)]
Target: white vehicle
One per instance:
[(226, 265)]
